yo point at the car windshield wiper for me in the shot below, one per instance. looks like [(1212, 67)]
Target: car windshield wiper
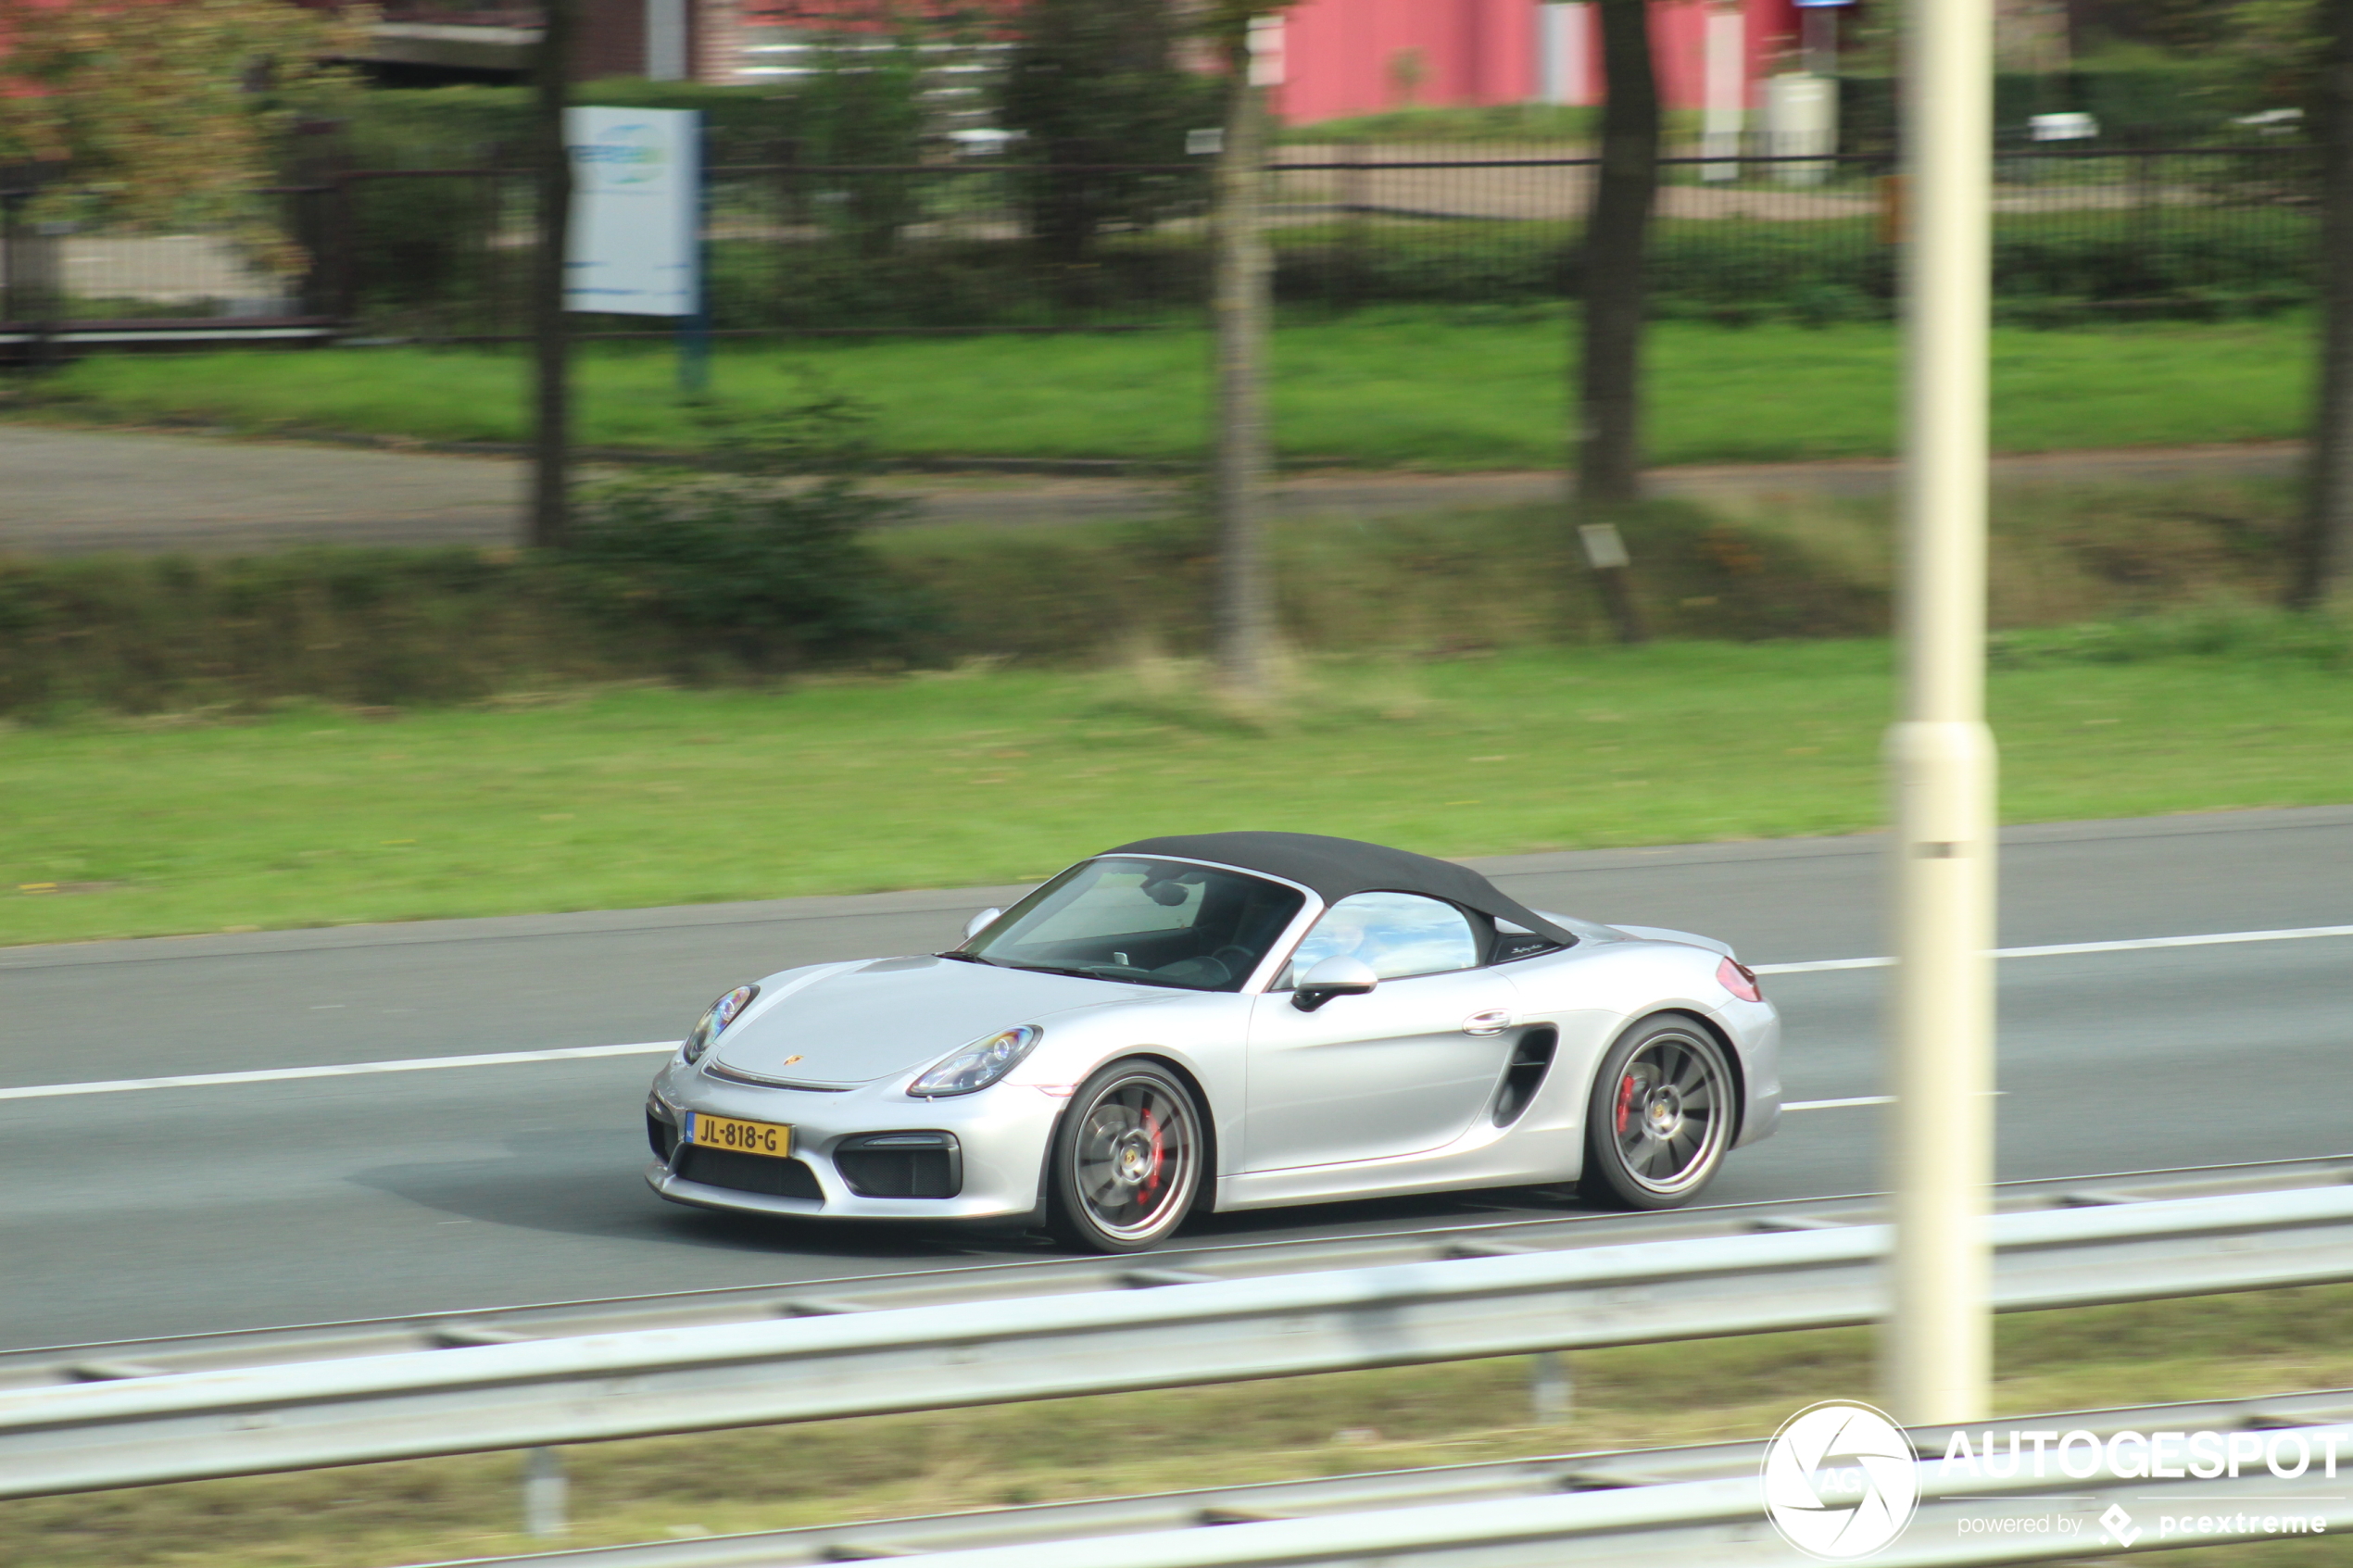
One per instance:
[(1073, 971), (1070, 969), (1008, 964)]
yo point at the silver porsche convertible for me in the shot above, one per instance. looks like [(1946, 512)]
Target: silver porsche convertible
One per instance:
[(1224, 1020)]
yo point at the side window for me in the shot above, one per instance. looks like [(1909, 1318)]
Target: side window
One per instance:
[(1398, 933)]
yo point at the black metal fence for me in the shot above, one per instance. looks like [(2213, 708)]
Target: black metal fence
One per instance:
[(965, 246)]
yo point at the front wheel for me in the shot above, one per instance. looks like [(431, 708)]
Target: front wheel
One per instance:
[(1126, 1160), (1660, 1117)]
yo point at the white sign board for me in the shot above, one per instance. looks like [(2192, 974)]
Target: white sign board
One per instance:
[(637, 204), (2061, 127)]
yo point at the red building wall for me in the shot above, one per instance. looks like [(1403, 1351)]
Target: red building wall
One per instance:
[(1363, 56)]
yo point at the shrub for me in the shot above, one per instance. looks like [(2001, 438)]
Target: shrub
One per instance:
[(2244, 633), (766, 566), (365, 626), (763, 576)]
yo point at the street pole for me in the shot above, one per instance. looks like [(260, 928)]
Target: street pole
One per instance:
[(550, 328), (1239, 307), (1938, 1342)]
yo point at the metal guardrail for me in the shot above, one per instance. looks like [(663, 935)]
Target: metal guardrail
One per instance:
[(1112, 1525), (1718, 1523), (647, 1382), (1024, 1278)]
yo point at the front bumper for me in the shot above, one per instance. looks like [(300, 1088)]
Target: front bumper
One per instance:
[(994, 1143)]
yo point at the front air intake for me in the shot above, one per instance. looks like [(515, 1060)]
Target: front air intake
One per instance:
[(901, 1164), (748, 1172)]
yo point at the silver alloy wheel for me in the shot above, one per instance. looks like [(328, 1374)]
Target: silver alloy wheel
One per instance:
[(1135, 1160), (1670, 1112)]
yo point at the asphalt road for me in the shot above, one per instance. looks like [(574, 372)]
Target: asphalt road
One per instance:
[(76, 491), (194, 1209)]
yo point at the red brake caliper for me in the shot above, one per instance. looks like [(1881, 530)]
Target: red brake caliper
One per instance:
[(1625, 1102), (1151, 1178)]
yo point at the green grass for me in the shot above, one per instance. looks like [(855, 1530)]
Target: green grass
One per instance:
[(643, 796), (1465, 390), (1460, 1412), (1498, 122)]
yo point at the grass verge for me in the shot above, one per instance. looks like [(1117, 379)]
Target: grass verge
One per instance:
[(310, 815), (1461, 1413), (670, 595), (1464, 389)]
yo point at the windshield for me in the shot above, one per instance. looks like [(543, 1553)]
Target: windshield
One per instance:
[(1154, 922)]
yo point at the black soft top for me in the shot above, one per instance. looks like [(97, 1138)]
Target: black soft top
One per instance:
[(1336, 868)]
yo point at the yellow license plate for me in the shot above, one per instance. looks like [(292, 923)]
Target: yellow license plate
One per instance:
[(745, 1137)]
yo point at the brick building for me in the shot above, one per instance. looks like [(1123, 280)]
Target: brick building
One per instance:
[(1362, 56), (425, 41), (1345, 56)]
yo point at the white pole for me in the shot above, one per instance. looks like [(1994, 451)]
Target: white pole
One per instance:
[(666, 40), (1938, 1344), (1568, 29), (1725, 70)]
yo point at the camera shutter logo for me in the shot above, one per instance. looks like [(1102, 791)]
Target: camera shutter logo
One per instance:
[(1840, 1481)]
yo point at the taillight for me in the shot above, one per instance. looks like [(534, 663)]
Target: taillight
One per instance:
[(1739, 979)]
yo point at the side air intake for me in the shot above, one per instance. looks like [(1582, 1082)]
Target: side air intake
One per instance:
[(1531, 1059)]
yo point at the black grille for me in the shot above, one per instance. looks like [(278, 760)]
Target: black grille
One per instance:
[(901, 1165), (661, 1136), (748, 1172)]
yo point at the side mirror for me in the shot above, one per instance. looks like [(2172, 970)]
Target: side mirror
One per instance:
[(1339, 975), (981, 922)]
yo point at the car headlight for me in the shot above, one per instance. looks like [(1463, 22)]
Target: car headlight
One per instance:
[(979, 1064), (716, 1018)]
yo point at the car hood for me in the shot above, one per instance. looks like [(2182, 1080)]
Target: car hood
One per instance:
[(860, 1022)]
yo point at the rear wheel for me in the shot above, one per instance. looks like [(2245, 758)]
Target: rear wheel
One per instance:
[(1128, 1159), (1660, 1117)]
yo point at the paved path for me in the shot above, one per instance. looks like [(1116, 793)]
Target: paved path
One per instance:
[(184, 1209), (76, 491)]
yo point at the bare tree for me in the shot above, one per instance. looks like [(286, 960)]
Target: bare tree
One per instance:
[(1616, 238), (2325, 551), (551, 434), (1245, 612)]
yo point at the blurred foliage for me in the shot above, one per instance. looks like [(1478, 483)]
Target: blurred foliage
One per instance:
[(1099, 82), (2047, 273), (168, 112), (476, 126), (2158, 101), (1465, 122)]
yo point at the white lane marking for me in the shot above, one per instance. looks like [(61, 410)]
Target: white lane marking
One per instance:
[(571, 1053), (1858, 1100), (340, 1069), (2065, 949)]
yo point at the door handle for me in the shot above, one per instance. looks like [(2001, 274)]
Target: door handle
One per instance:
[(1494, 1020)]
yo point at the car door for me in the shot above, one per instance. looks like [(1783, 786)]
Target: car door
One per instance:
[(1408, 1067)]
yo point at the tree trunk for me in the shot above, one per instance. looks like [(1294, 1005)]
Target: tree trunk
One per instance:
[(2324, 552), (1245, 592), (552, 435), (1616, 230)]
